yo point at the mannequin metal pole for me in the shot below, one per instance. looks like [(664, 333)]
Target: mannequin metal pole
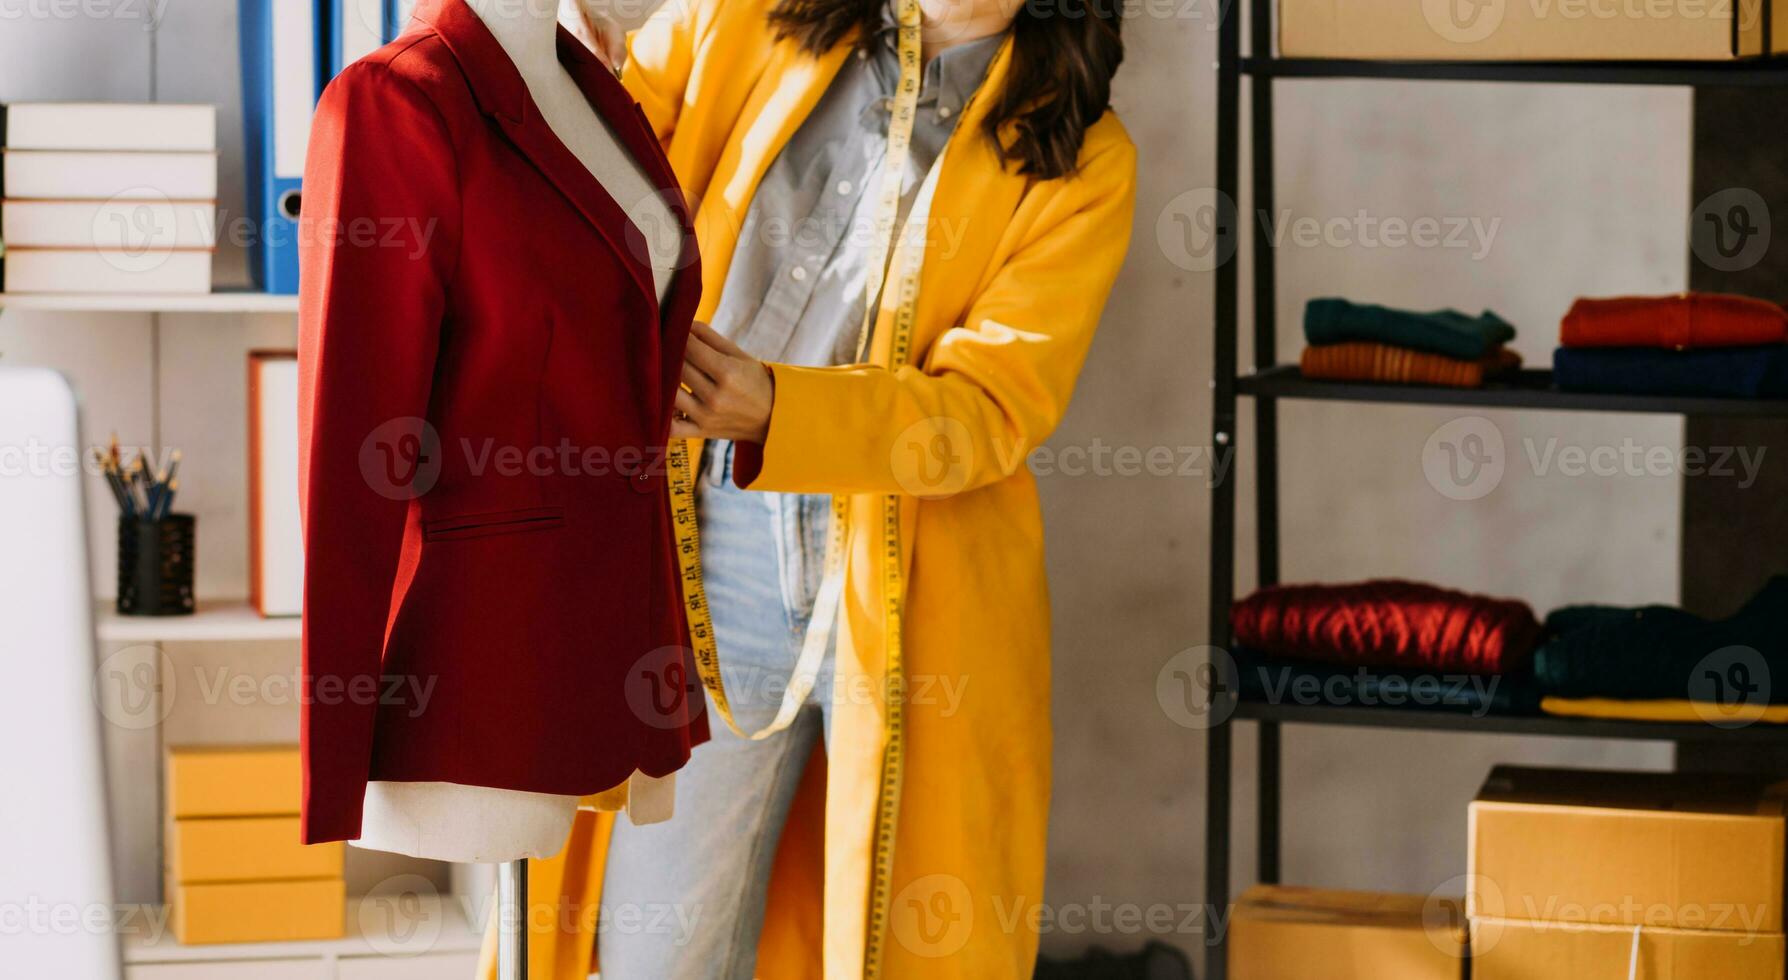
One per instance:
[(512, 920)]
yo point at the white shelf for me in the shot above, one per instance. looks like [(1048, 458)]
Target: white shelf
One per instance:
[(224, 301), (217, 620), (367, 935)]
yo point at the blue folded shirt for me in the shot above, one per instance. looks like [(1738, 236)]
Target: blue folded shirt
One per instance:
[(1715, 372)]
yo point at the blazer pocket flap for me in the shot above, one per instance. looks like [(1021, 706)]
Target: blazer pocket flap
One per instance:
[(493, 523)]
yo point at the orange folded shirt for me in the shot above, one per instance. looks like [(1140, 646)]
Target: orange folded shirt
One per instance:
[(1677, 322), (1367, 361)]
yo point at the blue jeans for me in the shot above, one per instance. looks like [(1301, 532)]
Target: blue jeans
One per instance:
[(684, 899)]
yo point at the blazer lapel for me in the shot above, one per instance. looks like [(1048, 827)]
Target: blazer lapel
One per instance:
[(503, 95)]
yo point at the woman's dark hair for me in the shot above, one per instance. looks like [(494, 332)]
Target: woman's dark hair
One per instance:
[(1064, 53)]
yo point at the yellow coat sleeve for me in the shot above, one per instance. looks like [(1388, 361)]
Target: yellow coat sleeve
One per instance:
[(661, 57), (993, 388)]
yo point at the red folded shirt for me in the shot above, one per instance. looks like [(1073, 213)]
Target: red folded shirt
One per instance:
[(1388, 623), (1678, 322)]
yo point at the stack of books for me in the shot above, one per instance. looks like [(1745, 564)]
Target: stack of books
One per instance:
[(107, 197)]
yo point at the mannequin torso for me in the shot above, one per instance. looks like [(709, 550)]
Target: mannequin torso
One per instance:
[(449, 821)]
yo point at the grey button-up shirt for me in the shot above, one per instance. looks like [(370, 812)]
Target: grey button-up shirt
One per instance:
[(794, 292)]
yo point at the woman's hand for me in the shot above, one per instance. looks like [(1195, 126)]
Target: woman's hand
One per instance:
[(726, 393), (598, 31)]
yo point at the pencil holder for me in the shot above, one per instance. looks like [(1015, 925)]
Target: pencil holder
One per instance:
[(155, 565)]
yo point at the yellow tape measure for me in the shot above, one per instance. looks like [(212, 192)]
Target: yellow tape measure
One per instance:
[(828, 601)]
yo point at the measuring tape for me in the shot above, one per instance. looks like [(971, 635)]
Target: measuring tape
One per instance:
[(829, 599)]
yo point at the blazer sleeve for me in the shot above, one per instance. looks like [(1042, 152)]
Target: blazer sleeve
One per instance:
[(661, 59), (991, 389), (379, 240)]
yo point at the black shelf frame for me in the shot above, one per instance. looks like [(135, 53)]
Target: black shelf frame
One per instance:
[(1271, 381)]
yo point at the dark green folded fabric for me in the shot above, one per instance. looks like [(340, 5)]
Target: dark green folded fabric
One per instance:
[(1448, 332), (1660, 652), (1275, 681)]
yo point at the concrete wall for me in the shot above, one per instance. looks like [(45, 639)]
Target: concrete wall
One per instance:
[(1589, 189)]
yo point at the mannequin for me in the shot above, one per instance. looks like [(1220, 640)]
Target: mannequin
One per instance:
[(454, 822)]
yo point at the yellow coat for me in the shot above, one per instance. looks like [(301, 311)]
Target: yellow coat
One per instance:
[(1015, 274)]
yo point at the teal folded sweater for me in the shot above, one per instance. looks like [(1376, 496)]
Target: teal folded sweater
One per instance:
[(1448, 332)]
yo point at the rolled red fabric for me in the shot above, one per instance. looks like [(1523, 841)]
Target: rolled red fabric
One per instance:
[(1678, 322), (1388, 623)]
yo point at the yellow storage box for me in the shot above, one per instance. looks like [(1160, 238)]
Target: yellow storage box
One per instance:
[(246, 849), (258, 911), (233, 781)]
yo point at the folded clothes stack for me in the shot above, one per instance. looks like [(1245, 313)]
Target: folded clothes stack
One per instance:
[(1362, 342), (1385, 642), (1659, 663), (1693, 344)]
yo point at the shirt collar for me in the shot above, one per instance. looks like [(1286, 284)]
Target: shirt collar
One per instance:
[(953, 75)]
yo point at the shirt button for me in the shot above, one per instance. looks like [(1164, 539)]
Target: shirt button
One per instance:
[(844, 187), (798, 272), (943, 112)]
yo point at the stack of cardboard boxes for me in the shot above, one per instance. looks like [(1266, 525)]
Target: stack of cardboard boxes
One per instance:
[(1573, 875), (1656, 875), (236, 871)]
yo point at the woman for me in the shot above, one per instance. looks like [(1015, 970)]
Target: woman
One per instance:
[(896, 828)]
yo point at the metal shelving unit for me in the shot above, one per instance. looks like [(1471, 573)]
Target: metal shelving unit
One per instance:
[(1271, 381)]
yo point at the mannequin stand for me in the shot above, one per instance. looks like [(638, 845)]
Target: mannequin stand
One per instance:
[(512, 920)]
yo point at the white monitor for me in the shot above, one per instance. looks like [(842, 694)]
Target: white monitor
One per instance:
[(55, 855)]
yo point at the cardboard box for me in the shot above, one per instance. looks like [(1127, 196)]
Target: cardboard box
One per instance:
[(1628, 849), (1277, 932), (1504, 949), (258, 911), (246, 849), (233, 781), (1531, 30)]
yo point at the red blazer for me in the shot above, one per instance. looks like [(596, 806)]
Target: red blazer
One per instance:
[(486, 378)]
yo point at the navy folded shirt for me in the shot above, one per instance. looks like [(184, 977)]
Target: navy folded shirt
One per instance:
[(1715, 372)]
